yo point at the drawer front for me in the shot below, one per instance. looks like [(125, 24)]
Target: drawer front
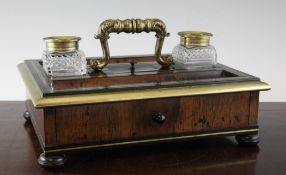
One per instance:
[(110, 121), (135, 119), (211, 112)]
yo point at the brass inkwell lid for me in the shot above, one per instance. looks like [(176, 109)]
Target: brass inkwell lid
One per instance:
[(62, 43), (191, 39)]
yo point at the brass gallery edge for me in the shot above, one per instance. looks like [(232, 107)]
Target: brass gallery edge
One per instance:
[(40, 102)]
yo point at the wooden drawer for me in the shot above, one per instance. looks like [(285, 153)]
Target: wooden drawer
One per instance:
[(134, 119), (213, 112), (111, 121)]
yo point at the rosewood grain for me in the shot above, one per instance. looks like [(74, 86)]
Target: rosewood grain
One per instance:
[(221, 111), (62, 129), (38, 120), (111, 121), (124, 120), (254, 104), (117, 80), (50, 126), (44, 123), (19, 150)]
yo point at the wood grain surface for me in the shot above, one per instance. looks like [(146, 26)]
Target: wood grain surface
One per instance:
[(107, 122), (122, 76)]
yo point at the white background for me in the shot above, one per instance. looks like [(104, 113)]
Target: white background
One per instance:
[(249, 35)]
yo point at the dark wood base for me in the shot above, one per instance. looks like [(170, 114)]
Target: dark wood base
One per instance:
[(54, 158), (71, 128), (52, 162), (248, 140)]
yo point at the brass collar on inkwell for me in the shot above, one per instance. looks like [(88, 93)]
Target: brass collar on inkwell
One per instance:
[(191, 39), (62, 43)]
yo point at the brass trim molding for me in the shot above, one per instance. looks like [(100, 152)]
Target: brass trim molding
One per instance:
[(152, 140), (40, 102), (149, 94)]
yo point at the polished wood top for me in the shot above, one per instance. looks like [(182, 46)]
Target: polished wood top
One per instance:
[(19, 150), (132, 73)]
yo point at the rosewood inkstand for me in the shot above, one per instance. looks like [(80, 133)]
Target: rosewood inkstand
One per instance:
[(133, 100)]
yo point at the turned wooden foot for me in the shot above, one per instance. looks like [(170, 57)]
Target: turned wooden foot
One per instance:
[(52, 162), (27, 115), (247, 140)]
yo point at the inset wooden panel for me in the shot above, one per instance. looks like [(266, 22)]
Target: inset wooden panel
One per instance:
[(254, 104), (208, 112), (111, 121), (134, 119), (50, 126), (44, 123), (37, 120)]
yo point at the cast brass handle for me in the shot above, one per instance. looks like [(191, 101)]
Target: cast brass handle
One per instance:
[(131, 26), (159, 118)]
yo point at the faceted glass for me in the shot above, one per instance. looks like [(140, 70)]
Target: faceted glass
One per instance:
[(64, 63), (195, 57)]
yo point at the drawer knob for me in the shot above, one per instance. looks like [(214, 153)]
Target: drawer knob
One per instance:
[(159, 118)]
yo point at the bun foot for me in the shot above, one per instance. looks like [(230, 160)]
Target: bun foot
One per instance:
[(52, 162), (27, 115), (247, 140)]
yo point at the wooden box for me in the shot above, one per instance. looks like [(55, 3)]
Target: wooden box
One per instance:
[(134, 101)]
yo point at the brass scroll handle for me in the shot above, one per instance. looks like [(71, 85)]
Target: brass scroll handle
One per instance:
[(131, 26)]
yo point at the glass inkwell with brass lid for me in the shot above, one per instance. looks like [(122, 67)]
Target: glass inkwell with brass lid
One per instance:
[(62, 56), (194, 50)]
